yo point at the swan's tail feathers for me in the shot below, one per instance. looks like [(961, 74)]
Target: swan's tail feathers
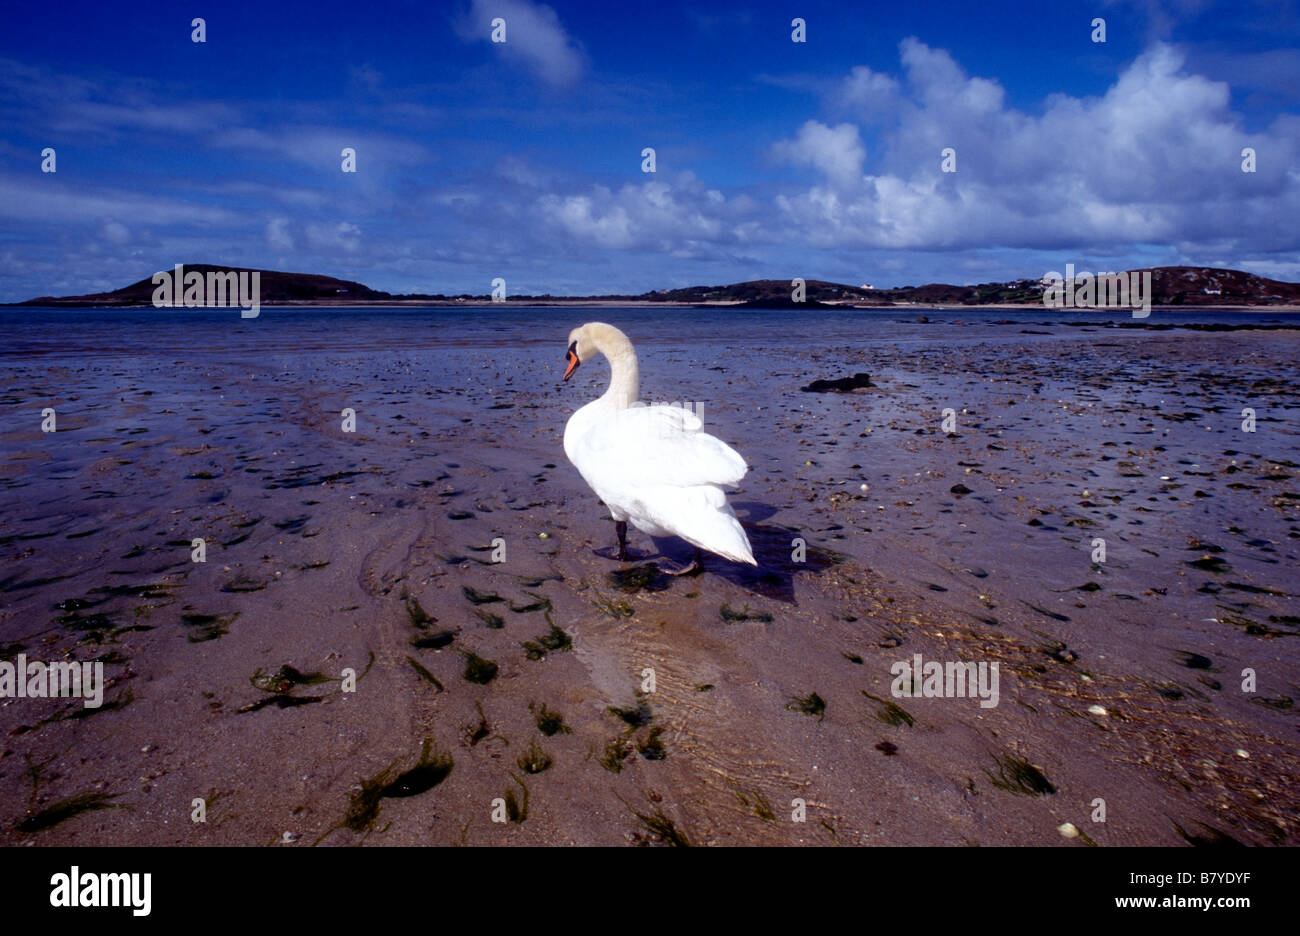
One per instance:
[(714, 527)]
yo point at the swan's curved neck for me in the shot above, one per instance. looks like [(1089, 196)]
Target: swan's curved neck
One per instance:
[(624, 374)]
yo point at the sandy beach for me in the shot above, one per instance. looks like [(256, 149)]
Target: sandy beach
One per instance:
[(519, 685)]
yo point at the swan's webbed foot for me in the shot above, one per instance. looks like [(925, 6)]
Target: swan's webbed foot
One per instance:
[(695, 568)]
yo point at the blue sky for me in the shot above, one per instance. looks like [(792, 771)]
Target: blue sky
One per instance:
[(523, 159)]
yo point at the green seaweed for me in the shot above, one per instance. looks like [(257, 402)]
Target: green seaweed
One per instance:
[(419, 617), (243, 583), (635, 717), (811, 704), (65, 809), (651, 747), (495, 621), (554, 640), (661, 829), (1017, 775), (890, 713), (112, 705), (425, 674), (616, 751), (434, 641), (639, 578), (735, 617), (534, 760), (477, 669), (516, 811), (279, 701), (615, 608), (477, 732), (549, 722), (284, 679), (758, 804), (541, 604), (432, 768), (1208, 563), (474, 596), (207, 626)]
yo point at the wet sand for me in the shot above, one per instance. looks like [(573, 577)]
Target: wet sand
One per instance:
[(374, 551)]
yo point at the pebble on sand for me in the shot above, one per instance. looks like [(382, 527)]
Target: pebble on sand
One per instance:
[(1096, 710), (1068, 829)]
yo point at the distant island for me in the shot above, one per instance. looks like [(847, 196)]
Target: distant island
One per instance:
[(1172, 286)]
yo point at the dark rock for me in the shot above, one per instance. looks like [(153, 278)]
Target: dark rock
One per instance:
[(839, 385)]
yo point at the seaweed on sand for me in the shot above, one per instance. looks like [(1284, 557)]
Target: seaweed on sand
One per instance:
[(549, 721), (1017, 775), (516, 811), (65, 809), (419, 617), (659, 828), (432, 768), (756, 803), (424, 673), (634, 716), (811, 704), (651, 747), (735, 617), (478, 670), (555, 640), (534, 760), (889, 712), (616, 751), (639, 578)]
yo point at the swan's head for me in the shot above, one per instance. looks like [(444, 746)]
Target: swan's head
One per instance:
[(587, 341)]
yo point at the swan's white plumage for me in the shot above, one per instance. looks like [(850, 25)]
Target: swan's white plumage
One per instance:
[(653, 466)]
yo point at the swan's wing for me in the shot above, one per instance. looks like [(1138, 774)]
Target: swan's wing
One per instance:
[(645, 446)]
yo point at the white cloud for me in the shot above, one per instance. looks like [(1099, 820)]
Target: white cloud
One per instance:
[(534, 36), (277, 234), (115, 233), (659, 215), (835, 151), (334, 238), (1156, 159)]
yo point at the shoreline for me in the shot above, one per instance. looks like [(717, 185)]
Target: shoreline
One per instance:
[(644, 303)]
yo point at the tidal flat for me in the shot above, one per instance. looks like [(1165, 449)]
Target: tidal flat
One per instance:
[(439, 586)]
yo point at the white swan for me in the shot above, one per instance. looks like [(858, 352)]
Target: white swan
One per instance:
[(652, 466)]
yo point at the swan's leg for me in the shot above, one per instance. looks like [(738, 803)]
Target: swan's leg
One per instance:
[(696, 566), (620, 527)]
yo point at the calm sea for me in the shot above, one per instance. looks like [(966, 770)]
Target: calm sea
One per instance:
[(35, 331)]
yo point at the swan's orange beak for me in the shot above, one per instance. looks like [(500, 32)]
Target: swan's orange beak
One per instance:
[(571, 359)]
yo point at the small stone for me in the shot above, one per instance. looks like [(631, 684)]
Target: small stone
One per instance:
[(1068, 829), (1096, 710), (1242, 753), (543, 536)]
